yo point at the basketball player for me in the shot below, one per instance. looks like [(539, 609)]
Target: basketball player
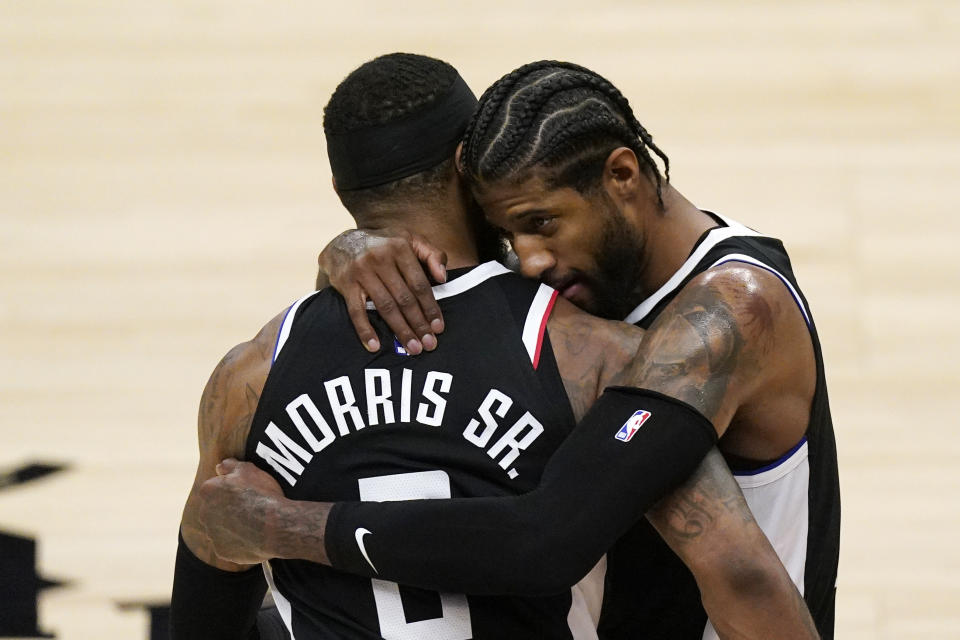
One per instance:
[(560, 164), (478, 416)]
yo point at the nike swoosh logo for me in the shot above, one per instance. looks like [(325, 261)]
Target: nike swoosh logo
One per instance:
[(358, 534)]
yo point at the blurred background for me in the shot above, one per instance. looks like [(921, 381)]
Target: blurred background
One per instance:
[(164, 191)]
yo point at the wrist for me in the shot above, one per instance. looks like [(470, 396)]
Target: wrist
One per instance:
[(295, 530)]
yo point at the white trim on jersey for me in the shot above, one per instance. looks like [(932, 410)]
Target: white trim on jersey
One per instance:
[(536, 323), (470, 279), (283, 605), (714, 237), (739, 257), (287, 323), (467, 281)]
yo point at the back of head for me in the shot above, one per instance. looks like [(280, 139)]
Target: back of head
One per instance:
[(557, 116), (392, 126)]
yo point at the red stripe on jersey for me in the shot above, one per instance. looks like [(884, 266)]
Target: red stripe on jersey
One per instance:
[(543, 328)]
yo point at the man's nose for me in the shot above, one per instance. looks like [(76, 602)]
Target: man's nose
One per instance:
[(535, 258)]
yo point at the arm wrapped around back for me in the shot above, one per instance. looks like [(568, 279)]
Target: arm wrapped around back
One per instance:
[(633, 447)]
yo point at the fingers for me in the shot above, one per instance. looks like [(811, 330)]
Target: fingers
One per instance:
[(357, 309), (418, 305), (436, 261), (389, 273), (389, 304)]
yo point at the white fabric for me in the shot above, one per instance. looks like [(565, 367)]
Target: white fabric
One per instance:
[(586, 600), (283, 605), (467, 281)]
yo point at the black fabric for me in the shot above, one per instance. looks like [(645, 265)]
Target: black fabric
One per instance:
[(385, 153), (270, 625), (482, 351), (212, 604), (596, 485)]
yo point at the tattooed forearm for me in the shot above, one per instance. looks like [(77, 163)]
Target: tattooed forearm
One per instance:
[(696, 507)]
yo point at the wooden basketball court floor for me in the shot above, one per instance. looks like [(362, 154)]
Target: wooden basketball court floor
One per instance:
[(164, 189)]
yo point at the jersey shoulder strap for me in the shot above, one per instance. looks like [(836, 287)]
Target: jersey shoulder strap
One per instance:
[(729, 242)]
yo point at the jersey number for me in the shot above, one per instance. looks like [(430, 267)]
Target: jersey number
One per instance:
[(454, 624)]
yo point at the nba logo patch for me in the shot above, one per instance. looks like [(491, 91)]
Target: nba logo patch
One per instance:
[(398, 348), (630, 428)]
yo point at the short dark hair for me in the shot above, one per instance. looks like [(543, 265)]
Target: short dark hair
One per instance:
[(556, 115), (384, 90)]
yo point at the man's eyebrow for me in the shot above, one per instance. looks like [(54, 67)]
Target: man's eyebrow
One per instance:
[(526, 214)]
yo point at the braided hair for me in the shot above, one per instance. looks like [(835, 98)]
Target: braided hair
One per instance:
[(556, 115)]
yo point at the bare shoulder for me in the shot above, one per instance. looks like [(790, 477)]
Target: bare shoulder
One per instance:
[(590, 351), (231, 395), (753, 295), (731, 333)]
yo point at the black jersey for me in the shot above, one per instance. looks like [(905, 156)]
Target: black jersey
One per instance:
[(649, 593), (478, 416)]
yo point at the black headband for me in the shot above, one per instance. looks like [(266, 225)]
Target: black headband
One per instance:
[(384, 153)]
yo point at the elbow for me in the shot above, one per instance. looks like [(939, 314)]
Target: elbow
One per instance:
[(752, 579), (744, 577), (548, 561)]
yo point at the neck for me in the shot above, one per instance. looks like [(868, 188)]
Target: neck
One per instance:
[(442, 222), (669, 237)]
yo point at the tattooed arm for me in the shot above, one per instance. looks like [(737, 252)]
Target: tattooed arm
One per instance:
[(590, 352), (226, 410), (214, 598), (713, 348), (745, 589), (734, 346)]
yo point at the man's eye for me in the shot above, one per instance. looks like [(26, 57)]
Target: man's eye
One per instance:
[(541, 221)]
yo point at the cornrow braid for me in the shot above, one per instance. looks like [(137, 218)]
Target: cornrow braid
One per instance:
[(558, 115)]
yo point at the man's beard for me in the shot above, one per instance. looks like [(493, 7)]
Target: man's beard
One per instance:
[(614, 282)]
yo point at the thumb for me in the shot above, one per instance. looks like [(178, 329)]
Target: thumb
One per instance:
[(227, 466)]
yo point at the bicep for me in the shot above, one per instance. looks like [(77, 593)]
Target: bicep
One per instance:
[(710, 346), (218, 437)]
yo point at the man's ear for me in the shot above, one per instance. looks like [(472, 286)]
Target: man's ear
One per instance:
[(456, 159), (621, 173), (333, 181)]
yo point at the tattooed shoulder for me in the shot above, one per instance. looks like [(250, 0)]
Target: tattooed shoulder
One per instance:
[(232, 393), (708, 346)]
